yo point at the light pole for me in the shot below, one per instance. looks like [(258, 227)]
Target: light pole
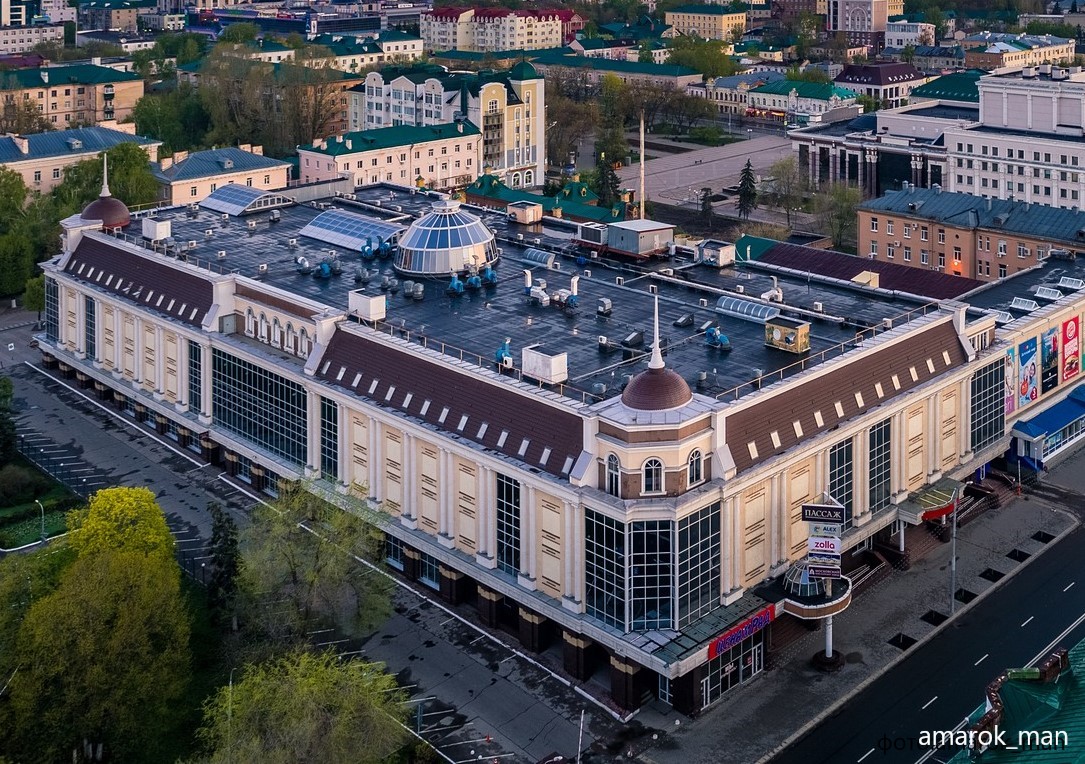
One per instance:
[(749, 133), (42, 508), (230, 719)]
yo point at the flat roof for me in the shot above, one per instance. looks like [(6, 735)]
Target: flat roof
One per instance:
[(478, 323)]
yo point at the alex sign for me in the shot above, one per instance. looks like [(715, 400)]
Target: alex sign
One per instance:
[(825, 529), (823, 545), (823, 513), (747, 628)]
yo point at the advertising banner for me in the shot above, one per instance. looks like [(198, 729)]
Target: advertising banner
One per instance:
[(817, 571), (823, 545), (1071, 348), (747, 628), (1028, 377), (825, 529), (1049, 359), (822, 513), (1011, 381)]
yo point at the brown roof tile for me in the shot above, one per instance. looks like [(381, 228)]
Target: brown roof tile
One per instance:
[(142, 279), (798, 402), (498, 418)]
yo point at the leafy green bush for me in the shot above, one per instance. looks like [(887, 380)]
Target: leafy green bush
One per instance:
[(19, 485)]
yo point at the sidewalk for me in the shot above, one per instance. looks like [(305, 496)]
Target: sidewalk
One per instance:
[(754, 721)]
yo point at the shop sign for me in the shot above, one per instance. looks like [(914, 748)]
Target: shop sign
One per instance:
[(817, 545), (824, 513), (747, 628), (820, 571), (825, 529)]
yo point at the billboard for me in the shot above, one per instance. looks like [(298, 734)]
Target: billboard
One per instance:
[(1049, 359), (817, 571), (1071, 348), (1011, 381), (823, 513), (1029, 372), (820, 545)]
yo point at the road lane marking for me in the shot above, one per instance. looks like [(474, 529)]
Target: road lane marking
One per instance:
[(1043, 653), (866, 754), (981, 660), (1069, 585), (928, 703), (1026, 623)]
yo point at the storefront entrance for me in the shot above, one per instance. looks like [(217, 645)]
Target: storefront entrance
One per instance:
[(736, 666)]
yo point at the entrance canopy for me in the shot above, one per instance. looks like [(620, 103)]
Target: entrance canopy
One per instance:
[(931, 503), (1053, 418)]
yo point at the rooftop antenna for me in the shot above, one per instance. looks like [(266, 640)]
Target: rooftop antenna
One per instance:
[(105, 175), (656, 361), (642, 198)]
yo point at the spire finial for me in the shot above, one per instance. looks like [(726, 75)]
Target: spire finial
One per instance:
[(105, 174), (656, 361)]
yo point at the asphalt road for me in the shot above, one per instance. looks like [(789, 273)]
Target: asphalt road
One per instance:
[(942, 681)]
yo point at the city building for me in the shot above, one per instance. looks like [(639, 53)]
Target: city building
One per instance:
[(862, 22), (352, 54), (76, 94), (118, 15), (632, 519), (888, 83), (440, 157), (575, 201), (711, 22), (187, 178), (966, 235), (928, 58), (129, 42), (731, 95), (796, 100), (42, 158), (509, 107), (994, 50), (786, 12), (163, 22), (24, 38), (594, 70), (57, 11), (902, 33), (487, 29)]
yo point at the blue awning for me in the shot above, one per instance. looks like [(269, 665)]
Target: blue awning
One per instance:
[(1054, 418)]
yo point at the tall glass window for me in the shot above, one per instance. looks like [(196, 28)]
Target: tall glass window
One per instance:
[(508, 524), (840, 477), (604, 569), (429, 571), (195, 377), (614, 476), (90, 333), (653, 476), (329, 438), (264, 408), (879, 466), (695, 468), (393, 552), (52, 309), (651, 575), (698, 564), (988, 405)]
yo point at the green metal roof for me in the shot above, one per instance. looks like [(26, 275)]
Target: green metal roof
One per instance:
[(77, 74), (752, 247), (1035, 706), (959, 86), (391, 137), (821, 91), (492, 187), (618, 67)]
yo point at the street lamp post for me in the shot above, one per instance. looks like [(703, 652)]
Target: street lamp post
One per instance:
[(230, 719), (749, 133), (42, 508)]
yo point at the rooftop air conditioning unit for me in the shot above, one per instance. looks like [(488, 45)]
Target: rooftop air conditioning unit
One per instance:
[(221, 254), (191, 244), (740, 289), (209, 232), (225, 217), (262, 269), (292, 242), (252, 225), (819, 307)]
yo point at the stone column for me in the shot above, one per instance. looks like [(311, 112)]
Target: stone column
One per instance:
[(527, 537), (207, 374), (623, 683), (137, 361), (488, 600), (452, 583), (409, 509), (159, 364), (312, 429), (532, 630), (485, 523), (445, 491), (576, 656)]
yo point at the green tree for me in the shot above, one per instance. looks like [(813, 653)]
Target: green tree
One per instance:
[(607, 184), (870, 104), (317, 578), (240, 32), (709, 57), (16, 262), (7, 427), (907, 54), (22, 116), (34, 296), (130, 180), (809, 74), (25, 579), (121, 518), (747, 191), (103, 660), (569, 122), (706, 206), (644, 51), (225, 558), (835, 210), (306, 707), (177, 117), (787, 185)]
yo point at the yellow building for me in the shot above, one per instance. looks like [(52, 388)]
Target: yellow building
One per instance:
[(42, 158), (186, 178), (539, 448), (80, 94), (711, 22)]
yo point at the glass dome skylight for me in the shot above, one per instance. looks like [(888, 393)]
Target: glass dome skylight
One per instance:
[(444, 240)]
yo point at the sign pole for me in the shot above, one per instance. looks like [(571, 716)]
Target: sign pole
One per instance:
[(829, 638), (953, 561)]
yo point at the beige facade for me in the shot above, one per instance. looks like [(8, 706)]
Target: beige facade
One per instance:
[(44, 172), (1032, 51), (185, 179), (21, 39), (444, 157), (707, 22), (75, 95), (490, 29)]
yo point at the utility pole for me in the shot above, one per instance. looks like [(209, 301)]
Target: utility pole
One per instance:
[(953, 561)]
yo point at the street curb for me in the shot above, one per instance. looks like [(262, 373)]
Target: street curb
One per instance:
[(33, 543), (832, 709)]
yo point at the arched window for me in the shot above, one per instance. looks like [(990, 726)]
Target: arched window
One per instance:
[(695, 468), (250, 322), (276, 333), (303, 343), (516, 180), (614, 476), (263, 327), (291, 338), (653, 476), (529, 178)]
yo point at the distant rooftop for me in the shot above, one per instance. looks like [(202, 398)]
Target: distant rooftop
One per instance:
[(389, 137), (77, 74), (203, 164), (78, 141), (959, 86)]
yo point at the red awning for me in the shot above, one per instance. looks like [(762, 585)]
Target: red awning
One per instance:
[(937, 503)]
